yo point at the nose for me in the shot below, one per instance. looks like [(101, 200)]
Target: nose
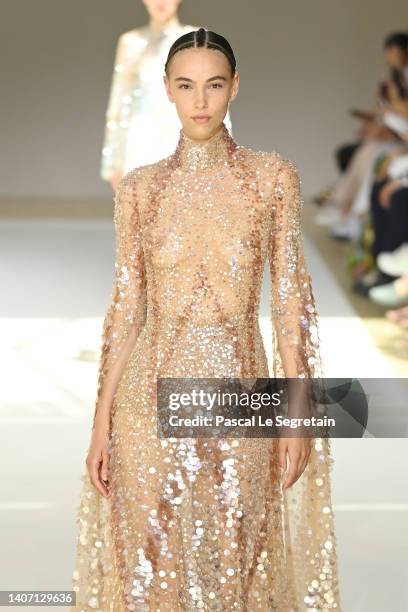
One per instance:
[(200, 99)]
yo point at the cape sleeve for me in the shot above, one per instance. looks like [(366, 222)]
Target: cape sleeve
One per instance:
[(292, 307), (308, 510), (118, 109), (126, 314)]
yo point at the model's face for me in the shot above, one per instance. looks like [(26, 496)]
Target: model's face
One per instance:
[(200, 84), (162, 10), (396, 57)]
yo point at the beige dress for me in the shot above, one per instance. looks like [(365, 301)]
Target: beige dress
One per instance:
[(193, 523)]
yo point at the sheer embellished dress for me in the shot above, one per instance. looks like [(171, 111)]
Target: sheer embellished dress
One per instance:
[(193, 523)]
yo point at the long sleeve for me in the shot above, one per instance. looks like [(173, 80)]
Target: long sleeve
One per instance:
[(118, 110), (126, 314), (293, 310)]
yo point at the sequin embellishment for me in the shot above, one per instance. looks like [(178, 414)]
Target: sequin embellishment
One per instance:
[(203, 524)]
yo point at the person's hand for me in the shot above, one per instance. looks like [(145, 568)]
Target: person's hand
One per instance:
[(371, 130), (397, 152), (97, 459), (299, 450), (387, 191), (116, 178)]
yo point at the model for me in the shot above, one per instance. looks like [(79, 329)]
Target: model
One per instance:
[(141, 125), (168, 524)]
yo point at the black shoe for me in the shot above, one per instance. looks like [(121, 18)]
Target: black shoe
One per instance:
[(372, 279)]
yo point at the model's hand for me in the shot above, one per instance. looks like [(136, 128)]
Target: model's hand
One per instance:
[(115, 180), (97, 459), (298, 450)]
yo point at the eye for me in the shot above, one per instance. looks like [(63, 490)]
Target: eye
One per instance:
[(216, 85), (183, 85)]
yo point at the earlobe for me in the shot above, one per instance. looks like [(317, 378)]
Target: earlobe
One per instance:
[(233, 95), (166, 85), (235, 87)]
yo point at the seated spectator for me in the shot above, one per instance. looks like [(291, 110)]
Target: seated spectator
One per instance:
[(389, 219), (350, 197)]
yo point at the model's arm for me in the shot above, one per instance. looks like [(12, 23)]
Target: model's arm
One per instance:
[(293, 309), (116, 114), (126, 315), (294, 317)]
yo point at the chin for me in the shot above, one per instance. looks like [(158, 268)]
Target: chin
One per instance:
[(204, 130)]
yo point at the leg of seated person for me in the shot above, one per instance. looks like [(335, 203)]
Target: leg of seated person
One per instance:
[(361, 202), (344, 154), (379, 218), (397, 222), (348, 185)]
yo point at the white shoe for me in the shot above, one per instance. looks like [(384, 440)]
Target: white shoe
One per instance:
[(394, 263), (349, 228), (328, 215), (387, 295)]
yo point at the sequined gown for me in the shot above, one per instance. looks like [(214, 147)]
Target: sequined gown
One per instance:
[(194, 523), (141, 124)]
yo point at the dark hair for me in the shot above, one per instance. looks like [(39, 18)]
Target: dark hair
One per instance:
[(397, 39), (203, 38)]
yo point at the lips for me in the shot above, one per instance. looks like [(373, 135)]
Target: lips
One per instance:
[(201, 118)]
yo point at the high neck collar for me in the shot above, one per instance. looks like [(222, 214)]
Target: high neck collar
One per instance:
[(195, 156)]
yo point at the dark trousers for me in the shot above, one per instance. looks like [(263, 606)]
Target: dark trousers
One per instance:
[(390, 224)]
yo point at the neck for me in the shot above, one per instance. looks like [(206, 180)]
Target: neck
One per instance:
[(200, 155), (159, 26)]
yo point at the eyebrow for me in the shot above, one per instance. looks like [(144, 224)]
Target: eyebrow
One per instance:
[(214, 78)]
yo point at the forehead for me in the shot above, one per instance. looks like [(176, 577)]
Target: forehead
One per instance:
[(199, 62), (394, 49)]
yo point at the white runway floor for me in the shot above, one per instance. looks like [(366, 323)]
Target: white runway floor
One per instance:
[(56, 277)]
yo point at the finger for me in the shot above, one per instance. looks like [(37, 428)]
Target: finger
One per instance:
[(94, 475), (282, 455), (299, 470), (104, 466), (305, 455), (293, 470), (303, 463)]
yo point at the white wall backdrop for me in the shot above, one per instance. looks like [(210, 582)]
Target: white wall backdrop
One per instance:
[(302, 66)]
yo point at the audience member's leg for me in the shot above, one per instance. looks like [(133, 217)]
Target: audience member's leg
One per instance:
[(350, 182), (394, 234), (379, 218), (344, 153), (397, 222), (361, 203)]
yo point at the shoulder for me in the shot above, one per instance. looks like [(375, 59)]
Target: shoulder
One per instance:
[(281, 167), (271, 161), (185, 29), (273, 168), (133, 38), (134, 33), (143, 174), (137, 181)]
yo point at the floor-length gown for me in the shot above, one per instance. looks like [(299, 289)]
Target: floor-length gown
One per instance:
[(194, 523)]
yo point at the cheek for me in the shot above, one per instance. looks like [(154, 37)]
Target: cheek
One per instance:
[(183, 98), (220, 96)]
